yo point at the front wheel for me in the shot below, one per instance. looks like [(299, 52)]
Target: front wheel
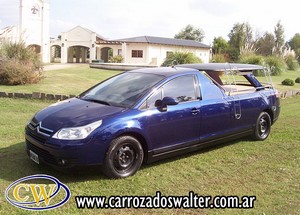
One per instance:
[(262, 127), (123, 157)]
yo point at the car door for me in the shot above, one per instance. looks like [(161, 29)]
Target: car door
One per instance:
[(215, 109), (179, 125), (249, 106)]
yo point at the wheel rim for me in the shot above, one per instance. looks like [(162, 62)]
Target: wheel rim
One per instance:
[(124, 158), (263, 127)]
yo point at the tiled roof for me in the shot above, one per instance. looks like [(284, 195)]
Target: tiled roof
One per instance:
[(165, 41)]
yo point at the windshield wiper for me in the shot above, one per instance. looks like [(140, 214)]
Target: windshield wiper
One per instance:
[(97, 101)]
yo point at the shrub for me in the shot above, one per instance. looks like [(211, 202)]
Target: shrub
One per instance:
[(297, 80), (276, 65), (181, 58), (233, 54), (253, 59), (19, 65), (218, 58), (288, 82), (116, 59), (291, 62), (13, 72)]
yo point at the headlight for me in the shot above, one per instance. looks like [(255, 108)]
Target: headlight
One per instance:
[(76, 133)]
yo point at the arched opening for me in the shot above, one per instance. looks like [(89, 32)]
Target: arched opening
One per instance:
[(78, 54), (35, 48), (106, 52), (55, 54)]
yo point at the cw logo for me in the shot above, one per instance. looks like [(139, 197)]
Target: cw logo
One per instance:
[(37, 196)]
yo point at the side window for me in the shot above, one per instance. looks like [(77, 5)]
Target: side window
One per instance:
[(182, 88), (151, 101)]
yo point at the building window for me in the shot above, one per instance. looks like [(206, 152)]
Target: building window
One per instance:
[(137, 53), (119, 51)]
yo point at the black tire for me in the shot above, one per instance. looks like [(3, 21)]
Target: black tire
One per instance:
[(123, 157), (263, 126)]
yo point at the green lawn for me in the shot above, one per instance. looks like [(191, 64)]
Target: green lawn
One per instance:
[(287, 74), (78, 78), (73, 80), (269, 170)]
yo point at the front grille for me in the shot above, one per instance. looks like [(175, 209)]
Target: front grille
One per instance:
[(43, 154), (36, 126), (40, 138)]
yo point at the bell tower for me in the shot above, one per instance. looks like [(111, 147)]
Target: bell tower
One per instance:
[(34, 26)]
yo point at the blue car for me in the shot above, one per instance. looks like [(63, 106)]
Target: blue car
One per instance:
[(148, 114)]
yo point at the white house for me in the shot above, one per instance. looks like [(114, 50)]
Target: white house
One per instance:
[(81, 45), (151, 50), (77, 45)]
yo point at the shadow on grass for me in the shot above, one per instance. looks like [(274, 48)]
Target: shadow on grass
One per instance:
[(197, 152), (16, 164)]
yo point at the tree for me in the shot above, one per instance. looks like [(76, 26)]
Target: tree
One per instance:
[(219, 45), (295, 45), (265, 44), (279, 37), (190, 33), (295, 42), (240, 35)]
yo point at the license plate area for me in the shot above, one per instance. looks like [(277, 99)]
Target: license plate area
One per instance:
[(33, 156)]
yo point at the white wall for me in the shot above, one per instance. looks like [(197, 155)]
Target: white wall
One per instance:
[(155, 54), (34, 25), (78, 36), (160, 52), (137, 46)]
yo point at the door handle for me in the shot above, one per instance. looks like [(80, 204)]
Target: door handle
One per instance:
[(195, 111)]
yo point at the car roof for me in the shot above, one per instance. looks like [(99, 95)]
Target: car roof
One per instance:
[(164, 71), (223, 67)]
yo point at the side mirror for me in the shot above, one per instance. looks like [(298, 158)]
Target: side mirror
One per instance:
[(166, 101)]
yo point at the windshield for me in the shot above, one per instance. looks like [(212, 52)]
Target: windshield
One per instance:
[(123, 90)]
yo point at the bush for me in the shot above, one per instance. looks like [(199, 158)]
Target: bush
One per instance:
[(288, 82), (116, 59), (181, 58), (276, 65), (297, 80), (253, 59), (13, 72), (19, 65), (218, 58), (233, 54), (291, 62)]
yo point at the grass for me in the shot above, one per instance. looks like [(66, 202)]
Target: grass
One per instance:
[(270, 169), (73, 80), (78, 78), (287, 74)]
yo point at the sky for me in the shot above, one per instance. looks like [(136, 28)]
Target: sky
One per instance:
[(116, 19)]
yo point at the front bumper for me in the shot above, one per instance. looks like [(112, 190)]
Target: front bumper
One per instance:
[(65, 154)]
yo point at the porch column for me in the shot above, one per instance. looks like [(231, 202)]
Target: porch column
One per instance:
[(93, 50), (98, 51), (84, 55), (63, 53), (78, 53), (124, 52)]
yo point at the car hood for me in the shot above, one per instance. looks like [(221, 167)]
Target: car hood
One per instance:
[(73, 113)]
